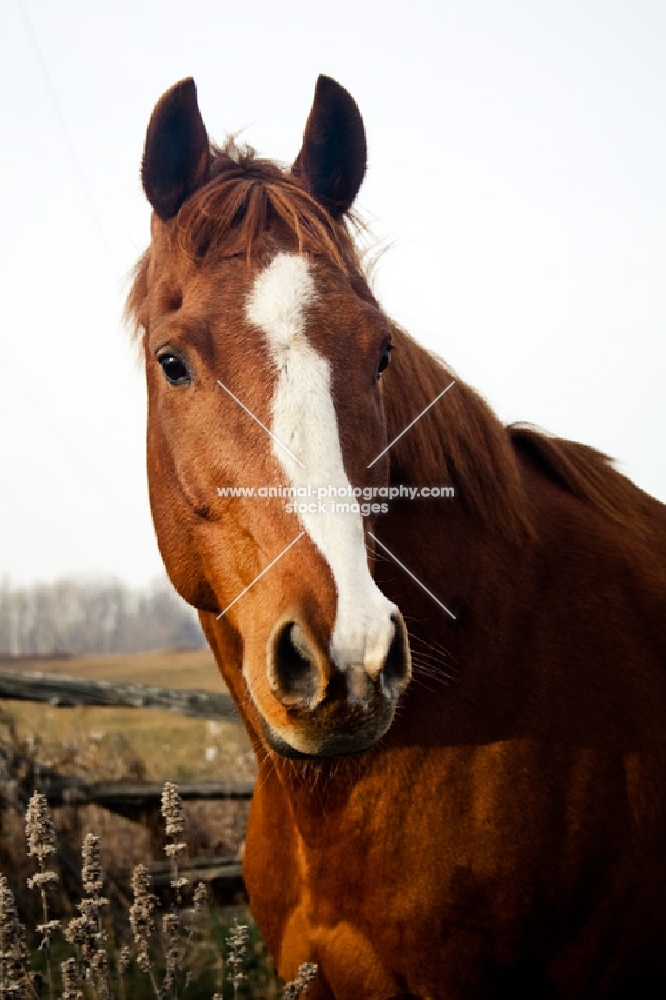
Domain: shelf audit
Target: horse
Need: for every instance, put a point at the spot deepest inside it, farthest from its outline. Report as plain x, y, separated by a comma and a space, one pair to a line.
446, 637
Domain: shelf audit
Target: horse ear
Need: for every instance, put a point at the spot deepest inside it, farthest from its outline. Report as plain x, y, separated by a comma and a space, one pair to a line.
332, 159
176, 155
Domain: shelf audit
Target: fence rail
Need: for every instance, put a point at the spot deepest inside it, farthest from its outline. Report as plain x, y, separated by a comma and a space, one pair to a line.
197, 870
129, 797
67, 692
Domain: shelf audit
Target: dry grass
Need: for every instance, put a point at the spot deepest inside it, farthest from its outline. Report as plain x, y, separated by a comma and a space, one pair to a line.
106, 743
177, 948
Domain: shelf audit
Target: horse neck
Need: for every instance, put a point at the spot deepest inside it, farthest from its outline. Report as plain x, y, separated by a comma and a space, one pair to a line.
470, 549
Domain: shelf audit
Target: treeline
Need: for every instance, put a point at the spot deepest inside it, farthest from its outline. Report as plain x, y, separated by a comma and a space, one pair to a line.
95, 616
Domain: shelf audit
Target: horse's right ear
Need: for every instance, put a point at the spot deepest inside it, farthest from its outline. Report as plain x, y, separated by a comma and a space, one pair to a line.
176, 156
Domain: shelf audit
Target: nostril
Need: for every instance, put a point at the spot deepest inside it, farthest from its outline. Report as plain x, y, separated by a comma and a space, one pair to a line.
292, 672
397, 668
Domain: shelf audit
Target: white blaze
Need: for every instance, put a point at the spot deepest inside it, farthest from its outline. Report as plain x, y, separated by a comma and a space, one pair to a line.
305, 422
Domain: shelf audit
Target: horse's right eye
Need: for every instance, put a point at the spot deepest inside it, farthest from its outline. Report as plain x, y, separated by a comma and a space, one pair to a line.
174, 370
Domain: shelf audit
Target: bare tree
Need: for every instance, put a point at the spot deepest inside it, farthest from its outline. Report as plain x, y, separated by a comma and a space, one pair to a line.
94, 616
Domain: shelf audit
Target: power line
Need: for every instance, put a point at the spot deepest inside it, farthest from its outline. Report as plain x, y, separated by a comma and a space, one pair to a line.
64, 129
89, 201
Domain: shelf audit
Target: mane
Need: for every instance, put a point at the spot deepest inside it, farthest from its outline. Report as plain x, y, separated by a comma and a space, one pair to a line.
462, 443
246, 199
586, 473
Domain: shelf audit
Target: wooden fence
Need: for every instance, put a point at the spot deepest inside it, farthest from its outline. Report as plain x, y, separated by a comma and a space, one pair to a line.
136, 801
67, 692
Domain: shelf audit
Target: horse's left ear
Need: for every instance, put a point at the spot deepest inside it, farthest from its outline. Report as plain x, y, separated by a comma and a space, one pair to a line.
177, 151
332, 159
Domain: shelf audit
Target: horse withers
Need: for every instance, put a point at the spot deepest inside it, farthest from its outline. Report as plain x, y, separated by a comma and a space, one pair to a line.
446, 638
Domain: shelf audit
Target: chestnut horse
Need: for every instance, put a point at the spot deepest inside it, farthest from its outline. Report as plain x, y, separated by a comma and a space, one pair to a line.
457, 703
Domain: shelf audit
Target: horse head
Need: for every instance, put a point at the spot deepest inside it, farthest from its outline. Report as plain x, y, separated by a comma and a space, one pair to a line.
264, 349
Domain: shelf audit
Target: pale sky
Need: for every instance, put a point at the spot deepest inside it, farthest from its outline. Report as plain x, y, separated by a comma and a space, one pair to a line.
517, 167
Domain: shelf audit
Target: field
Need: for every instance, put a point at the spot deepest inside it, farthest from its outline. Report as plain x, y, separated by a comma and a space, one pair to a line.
132, 743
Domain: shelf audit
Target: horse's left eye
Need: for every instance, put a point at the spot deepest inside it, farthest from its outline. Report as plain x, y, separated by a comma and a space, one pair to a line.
174, 370
384, 360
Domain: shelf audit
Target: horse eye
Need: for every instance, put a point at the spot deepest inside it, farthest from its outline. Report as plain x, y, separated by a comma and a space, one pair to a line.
174, 370
384, 360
